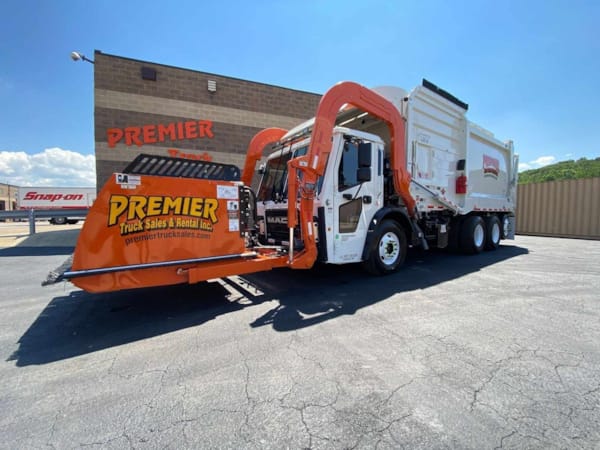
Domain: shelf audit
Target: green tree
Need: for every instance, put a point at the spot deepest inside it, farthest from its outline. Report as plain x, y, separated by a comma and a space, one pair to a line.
564, 170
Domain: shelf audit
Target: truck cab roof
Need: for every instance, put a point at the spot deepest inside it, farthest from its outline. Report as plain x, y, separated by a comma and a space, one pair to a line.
301, 133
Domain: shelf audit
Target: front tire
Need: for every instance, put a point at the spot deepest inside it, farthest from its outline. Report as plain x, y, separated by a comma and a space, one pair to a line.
472, 235
388, 249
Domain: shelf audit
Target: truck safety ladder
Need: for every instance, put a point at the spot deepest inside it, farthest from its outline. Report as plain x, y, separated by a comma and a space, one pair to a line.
167, 166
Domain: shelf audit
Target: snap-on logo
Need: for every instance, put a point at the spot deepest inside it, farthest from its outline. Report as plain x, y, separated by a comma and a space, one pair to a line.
33, 195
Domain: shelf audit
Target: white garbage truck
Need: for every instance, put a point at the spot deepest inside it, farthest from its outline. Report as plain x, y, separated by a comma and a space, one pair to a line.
412, 171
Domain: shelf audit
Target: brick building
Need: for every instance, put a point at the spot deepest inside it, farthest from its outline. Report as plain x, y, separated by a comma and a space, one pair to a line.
8, 197
144, 107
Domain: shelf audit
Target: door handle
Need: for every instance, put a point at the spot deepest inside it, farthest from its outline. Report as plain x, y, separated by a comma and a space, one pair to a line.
347, 196
367, 199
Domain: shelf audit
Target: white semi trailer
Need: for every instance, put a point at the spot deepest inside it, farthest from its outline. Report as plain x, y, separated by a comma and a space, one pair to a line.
60, 198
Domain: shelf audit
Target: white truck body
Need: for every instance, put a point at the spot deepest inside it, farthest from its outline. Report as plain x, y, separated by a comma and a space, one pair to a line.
438, 137
62, 198
444, 150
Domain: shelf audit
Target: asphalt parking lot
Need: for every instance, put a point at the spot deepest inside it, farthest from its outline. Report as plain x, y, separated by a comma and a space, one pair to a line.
500, 350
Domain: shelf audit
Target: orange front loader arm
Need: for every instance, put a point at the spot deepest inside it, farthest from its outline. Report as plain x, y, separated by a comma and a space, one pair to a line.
313, 164
255, 149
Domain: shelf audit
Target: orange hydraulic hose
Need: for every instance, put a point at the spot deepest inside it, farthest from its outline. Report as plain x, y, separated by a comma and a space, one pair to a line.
313, 164
255, 149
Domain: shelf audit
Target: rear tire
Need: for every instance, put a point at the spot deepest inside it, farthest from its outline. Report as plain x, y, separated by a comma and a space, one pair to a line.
58, 220
493, 232
388, 250
472, 235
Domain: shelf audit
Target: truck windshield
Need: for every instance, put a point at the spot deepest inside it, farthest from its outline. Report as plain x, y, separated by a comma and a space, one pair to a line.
274, 182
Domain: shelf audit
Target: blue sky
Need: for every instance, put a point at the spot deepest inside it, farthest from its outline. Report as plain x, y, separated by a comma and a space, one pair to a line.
528, 69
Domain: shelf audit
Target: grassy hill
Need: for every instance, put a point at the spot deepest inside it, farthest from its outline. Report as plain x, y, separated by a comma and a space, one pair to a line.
565, 170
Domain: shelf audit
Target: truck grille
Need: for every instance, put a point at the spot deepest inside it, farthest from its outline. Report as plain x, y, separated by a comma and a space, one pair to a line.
277, 227
278, 232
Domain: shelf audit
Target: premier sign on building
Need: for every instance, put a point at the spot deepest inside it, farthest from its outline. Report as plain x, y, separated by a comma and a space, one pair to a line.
144, 107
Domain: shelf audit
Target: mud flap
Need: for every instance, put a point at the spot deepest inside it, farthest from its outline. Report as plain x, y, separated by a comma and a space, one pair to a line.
510, 233
442, 235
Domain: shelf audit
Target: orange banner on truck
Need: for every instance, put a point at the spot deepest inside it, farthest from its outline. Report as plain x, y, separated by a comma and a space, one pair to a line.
133, 222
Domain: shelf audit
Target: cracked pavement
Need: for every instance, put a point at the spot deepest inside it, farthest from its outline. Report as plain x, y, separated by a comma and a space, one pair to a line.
499, 350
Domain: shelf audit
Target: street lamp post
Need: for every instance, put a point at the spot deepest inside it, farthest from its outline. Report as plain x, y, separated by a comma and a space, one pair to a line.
76, 56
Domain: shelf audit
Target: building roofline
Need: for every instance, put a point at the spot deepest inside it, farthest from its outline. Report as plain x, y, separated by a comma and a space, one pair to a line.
204, 73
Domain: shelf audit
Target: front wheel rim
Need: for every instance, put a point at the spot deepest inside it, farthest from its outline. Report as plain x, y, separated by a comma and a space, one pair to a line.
389, 248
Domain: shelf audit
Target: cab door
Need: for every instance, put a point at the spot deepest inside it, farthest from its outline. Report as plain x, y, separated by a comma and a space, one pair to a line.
358, 194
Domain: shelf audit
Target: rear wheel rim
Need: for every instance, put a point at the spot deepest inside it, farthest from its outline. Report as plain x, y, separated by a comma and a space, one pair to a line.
495, 232
505, 226
389, 248
478, 235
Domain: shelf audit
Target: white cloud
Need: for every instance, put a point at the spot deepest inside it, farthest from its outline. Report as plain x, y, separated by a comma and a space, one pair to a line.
544, 161
537, 163
52, 167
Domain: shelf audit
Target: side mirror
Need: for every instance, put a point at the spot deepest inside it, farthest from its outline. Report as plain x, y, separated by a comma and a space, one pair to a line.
262, 169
